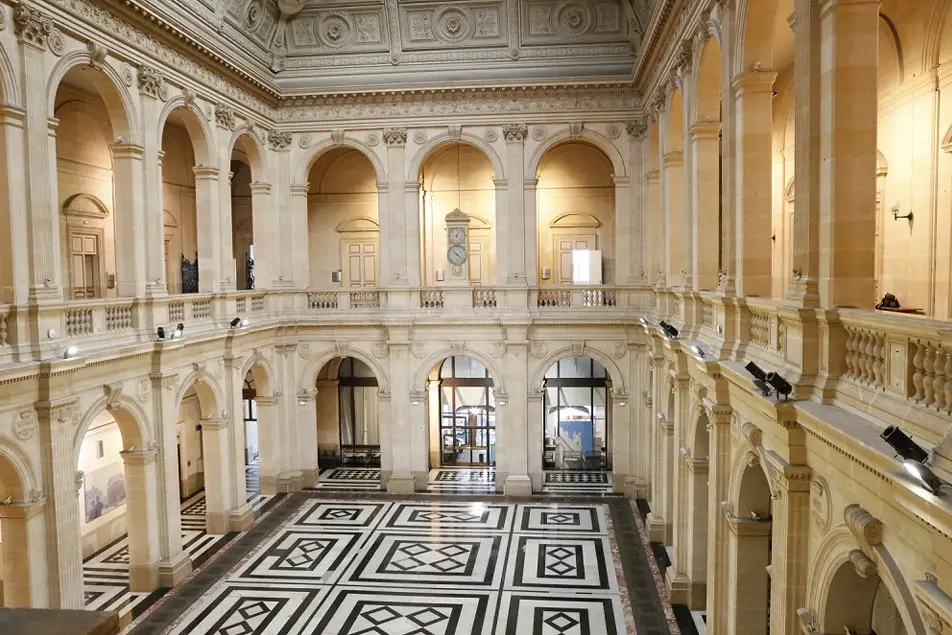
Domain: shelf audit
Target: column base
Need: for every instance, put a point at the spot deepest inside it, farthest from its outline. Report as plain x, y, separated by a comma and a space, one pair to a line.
385, 478
288, 482
517, 485
241, 518
658, 529
501, 478
636, 488
309, 478
175, 569
267, 485
678, 586
401, 485
421, 480
216, 523
619, 483
538, 481
144, 578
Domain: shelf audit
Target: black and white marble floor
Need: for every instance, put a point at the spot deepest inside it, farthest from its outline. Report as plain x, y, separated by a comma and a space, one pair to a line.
419, 567
365, 479
462, 480
106, 573
577, 483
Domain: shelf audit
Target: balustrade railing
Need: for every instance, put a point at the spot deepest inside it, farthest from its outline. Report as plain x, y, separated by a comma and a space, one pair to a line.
431, 298
366, 299
4, 325
322, 300
484, 298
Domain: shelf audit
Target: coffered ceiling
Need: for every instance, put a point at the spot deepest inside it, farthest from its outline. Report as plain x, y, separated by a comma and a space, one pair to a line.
307, 46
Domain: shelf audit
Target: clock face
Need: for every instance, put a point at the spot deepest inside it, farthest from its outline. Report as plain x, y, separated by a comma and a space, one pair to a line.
457, 235
456, 254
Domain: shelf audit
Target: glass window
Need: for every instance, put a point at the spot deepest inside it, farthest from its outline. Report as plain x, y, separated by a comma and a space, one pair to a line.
467, 413
576, 425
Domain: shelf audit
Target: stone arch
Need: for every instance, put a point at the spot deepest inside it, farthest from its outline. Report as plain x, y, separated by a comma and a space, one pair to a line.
260, 369
745, 464
617, 377
592, 137
210, 395
315, 364
935, 25
9, 89
314, 153
825, 582
20, 465
708, 74
195, 123
104, 125
754, 30
132, 419
426, 366
119, 103
437, 142
257, 157
699, 414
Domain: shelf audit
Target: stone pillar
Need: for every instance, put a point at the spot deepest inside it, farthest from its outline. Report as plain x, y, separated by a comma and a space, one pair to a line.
697, 534
290, 477
530, 188
265, 229
639, 439
64, 555
681, 520
216, 452
516, 236
419, 448
637, 272
705, 149
297, 208
502, 239
270, 442
281, 238
753, 103
130, 212
659, 526
403, 213
241, 516
667, 462
155, 271
746, 583
385, 222
515, 412
14, 234
401, 479
625, 241
174, 562
672, 179
305, 423
535, 430
208, 227
718, 479
142, 519
654, 229
24, 563
225, 120
790, 541
32, 28
848, 114
621, 434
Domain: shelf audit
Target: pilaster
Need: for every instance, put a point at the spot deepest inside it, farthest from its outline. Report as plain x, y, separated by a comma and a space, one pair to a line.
23, 573
672, 192
514, 406
401, 479
14, 230
142, 518
130, 204
790, 545
266, 236
208, 224
277, 211
530, 188
635, 213
297, 209
718, 478
705, 150
515, 232
154, 249
241, 516
215, 451
403, 213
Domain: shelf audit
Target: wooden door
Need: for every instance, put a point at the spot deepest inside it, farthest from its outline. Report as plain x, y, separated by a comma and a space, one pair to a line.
564, 246
361, 266
84, 257
479, 260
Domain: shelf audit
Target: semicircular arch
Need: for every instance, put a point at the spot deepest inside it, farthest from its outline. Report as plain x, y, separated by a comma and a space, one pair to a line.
199, 132
439, 141
210, 395
21, 464
315, 364
260, 368
257, 157
128, 414
315, 151
617, 377
592, 137
427, 364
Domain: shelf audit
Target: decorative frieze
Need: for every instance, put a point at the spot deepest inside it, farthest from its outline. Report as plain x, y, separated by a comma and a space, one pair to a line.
279, 140
31, 26
152, 83
395, 136
225, 116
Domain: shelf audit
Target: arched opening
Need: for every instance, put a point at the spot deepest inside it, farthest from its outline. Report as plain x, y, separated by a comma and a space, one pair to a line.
654, 219
94, 242
695, 478
242, 222
577, 416
180, 237
706, 140
342, 221
461, 248
461, 414
18, 543
672, 180
348, 424
859, 602
249, 415
751, 524
576, 216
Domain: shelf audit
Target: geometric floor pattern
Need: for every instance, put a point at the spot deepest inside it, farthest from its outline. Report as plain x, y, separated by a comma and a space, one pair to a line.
422, 567
106, 573
577, 483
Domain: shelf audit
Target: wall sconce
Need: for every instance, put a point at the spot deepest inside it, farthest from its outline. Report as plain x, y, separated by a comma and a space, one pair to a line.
894, 208
622, 402
440, 275
337, 276
546, 273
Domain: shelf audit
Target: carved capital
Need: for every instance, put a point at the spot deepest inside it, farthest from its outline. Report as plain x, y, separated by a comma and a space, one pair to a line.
31, 26
152, 83
395, 136
515, 132
637, 129
752, 434
865, 568
225, 116
279, 141
97, 54
684, 57
867, 529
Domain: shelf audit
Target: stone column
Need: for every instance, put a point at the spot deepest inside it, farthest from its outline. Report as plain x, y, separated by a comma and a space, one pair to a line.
216, 452
404, 213
155, 271
536, 413
208, 226
790, 543
667, 462
753, 103
705, 148
848, 115
401, 479
14, 233
57, 419
419, 448
24, 562
270, 442
678, 581
515, 413
281, 237
718, 478
697, 534
672, 179
621, 434
502, 239
174, 562
530, 188
659, 526
516, 236
142, 519
305, 423
241, 516
688, 97
265, 229
225, 126
639, 439
32, 28
654, 229
297, 208
625, 241
130, 213
290, 478
385, 222
746, 583
638, 268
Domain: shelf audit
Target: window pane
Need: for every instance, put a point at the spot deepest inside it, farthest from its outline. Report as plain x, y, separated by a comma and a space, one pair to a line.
469, 368
575, 367
360, 369
598, 370
553, 371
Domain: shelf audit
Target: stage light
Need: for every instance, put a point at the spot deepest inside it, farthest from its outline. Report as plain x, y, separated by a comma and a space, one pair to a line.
70, 352
236, 323
179, 331
781, 385
903, 444
160, 332
760, 378
644, 321
922, 475
697, 350
669, 330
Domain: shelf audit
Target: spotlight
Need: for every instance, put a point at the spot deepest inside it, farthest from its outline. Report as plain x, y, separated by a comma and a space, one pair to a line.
669, 330
70, 352
644, 321
760, 378
236, 323
923, 475
179, 331
160, 332
903, 444
781, 385
697, 350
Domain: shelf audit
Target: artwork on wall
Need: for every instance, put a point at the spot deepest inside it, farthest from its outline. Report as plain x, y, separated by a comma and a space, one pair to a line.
105, 490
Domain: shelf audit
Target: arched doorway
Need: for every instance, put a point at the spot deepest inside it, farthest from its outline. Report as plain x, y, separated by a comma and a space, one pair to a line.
750, 525
859, 602
462, 414
22, 543
249, 415
577, 416
348, 425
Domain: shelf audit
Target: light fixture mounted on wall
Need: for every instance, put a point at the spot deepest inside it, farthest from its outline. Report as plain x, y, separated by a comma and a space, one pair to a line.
70, 352
337, 276
546, 273
914, 458
239, 323
439, 275
895, 208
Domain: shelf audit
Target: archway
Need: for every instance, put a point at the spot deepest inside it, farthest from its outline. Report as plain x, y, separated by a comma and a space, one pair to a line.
182, 243
342, 221
859, 602
708, 171
576, 225
677, 230
22, 542
458, 176
750, 524
694, 473
461, 413
348, 424
577, 416
252, 235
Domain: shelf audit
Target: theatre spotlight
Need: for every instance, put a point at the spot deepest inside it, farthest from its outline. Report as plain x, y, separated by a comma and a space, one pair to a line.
903, 444
922, 475
70, 352
238, 322
760, 378
644, 321
160, 332
697, 350
669, 330
781, 385
179, 331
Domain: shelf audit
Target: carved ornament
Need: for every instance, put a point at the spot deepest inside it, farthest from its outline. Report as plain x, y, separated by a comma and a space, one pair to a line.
31, 26
279, 140
866, 528
152, 83
225, 116
515, 132
24, 425
395, 136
